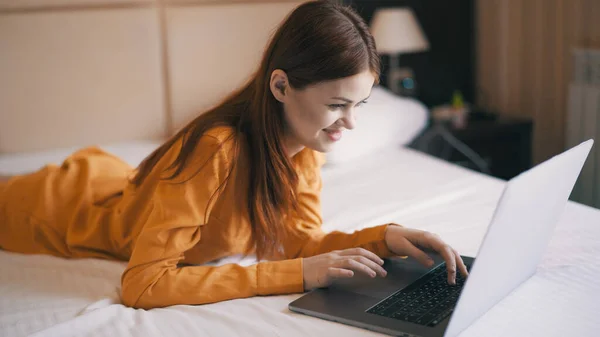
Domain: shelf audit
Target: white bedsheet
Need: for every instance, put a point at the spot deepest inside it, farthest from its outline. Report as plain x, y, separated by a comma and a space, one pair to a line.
47, 296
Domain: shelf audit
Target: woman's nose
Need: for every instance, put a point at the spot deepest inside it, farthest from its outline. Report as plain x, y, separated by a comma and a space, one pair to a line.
349, 120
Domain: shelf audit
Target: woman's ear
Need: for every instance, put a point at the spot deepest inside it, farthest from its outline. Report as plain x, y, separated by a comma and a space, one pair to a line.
279, 84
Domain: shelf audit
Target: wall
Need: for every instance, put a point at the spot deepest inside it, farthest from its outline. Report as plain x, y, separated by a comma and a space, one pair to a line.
85, 72
524, 60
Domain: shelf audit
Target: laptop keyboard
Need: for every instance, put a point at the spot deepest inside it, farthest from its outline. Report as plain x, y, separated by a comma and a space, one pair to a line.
426, 301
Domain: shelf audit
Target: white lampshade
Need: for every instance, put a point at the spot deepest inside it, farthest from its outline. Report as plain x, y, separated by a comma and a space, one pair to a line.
397, 31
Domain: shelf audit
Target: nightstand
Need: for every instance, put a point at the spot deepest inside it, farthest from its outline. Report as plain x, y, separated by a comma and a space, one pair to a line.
499, 147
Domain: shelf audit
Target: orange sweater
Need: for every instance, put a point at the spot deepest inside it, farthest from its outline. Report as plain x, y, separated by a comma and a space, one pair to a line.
76, 210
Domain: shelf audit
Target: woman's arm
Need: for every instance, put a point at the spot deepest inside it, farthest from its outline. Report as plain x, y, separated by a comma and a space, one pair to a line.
314, 242
154, 279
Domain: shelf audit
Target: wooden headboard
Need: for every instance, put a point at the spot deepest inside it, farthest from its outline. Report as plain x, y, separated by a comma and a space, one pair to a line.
85, 72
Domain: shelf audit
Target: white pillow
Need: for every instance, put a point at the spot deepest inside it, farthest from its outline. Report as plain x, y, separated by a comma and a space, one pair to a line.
386, 120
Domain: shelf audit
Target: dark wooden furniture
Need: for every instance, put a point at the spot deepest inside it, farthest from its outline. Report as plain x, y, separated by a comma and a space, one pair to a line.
504, 144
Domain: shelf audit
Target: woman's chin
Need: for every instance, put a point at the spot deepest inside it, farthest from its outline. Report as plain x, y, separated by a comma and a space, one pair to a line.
322, 147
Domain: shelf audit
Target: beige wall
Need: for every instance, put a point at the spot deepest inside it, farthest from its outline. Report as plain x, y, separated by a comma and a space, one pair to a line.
92, 76
85, 72
524, 60
215, 64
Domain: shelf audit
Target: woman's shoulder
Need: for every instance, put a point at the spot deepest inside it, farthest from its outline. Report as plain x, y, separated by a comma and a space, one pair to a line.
213, 146
216, 139
222, 134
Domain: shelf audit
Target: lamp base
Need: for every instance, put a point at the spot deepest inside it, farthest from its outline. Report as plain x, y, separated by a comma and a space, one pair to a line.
402, 82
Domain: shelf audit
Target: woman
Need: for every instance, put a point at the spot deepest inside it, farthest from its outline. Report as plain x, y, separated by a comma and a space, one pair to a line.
241, 178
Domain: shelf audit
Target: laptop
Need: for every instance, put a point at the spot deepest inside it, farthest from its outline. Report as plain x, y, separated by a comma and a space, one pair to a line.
414, 300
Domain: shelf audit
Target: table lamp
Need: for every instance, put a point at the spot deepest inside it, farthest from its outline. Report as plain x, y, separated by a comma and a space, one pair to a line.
397, 31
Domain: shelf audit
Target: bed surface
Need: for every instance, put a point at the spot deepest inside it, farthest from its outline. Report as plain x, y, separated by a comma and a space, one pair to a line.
48, 296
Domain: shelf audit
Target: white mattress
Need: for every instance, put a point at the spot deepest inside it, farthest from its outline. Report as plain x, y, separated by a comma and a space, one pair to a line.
47, 296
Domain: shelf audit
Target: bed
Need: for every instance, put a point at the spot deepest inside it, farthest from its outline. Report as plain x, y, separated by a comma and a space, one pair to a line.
50, 111
49, 296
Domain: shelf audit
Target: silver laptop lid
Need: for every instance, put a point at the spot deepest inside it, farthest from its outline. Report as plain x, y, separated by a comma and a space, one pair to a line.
518, 234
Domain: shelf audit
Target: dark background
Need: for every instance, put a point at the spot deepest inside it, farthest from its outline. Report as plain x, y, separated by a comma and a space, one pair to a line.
449, 64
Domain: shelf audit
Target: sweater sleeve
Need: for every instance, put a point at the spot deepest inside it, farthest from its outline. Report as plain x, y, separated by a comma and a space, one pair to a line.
305, 236
154, 279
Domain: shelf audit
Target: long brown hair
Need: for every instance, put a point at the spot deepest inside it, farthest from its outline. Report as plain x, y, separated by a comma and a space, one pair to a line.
318, 41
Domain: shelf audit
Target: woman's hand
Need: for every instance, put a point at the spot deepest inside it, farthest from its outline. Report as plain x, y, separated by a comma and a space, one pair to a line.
320, 270
406, 241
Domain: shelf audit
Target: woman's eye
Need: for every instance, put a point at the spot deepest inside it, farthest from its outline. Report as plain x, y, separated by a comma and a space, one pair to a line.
336, 106
361, 103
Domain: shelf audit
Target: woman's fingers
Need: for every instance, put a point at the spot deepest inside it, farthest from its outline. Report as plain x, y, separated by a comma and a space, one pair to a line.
446, 251
369, 263
363, 252
339, 273
350, 261
461, 264
432, 241
419, 255
451, 256
321, 270
450, 259
352, 264
367, 258
347, 265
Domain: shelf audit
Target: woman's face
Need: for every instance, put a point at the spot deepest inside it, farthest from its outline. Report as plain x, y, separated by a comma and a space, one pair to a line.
317, 116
